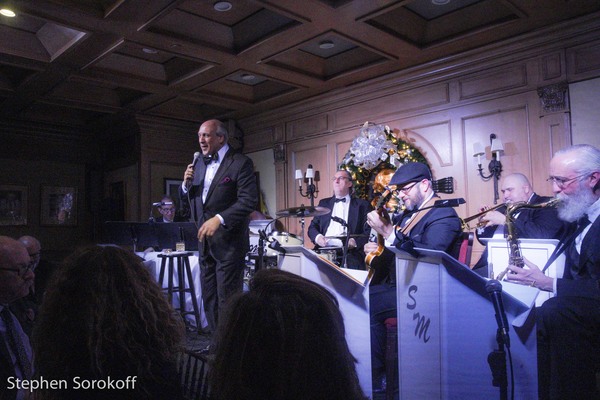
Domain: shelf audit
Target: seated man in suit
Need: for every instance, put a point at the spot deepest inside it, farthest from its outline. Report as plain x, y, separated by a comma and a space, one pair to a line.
433, 228
568, 324
534, 223
16, 278
348, 215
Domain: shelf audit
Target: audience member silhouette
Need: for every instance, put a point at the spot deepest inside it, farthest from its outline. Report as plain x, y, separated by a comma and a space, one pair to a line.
16, 277
283, 340
104, 318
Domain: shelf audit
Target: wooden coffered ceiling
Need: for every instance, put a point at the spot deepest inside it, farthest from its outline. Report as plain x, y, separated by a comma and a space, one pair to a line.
73, 62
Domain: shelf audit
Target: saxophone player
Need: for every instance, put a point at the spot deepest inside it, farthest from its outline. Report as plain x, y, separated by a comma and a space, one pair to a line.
568, 324
534, 223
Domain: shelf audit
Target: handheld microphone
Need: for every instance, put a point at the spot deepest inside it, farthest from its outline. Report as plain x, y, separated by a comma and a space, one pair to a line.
494, 290
196, 157
339, 221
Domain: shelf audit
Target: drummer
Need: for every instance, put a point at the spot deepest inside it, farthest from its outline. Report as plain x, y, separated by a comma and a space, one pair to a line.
348, 215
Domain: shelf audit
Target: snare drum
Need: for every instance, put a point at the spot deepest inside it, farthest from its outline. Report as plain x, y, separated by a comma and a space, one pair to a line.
286, 239
330, 254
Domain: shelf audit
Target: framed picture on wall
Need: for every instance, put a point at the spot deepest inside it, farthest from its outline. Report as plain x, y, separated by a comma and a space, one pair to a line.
172, 188
59, 206
13, 205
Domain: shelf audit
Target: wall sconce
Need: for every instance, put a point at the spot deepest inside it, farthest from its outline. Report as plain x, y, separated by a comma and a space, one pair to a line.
495, 166
312, 183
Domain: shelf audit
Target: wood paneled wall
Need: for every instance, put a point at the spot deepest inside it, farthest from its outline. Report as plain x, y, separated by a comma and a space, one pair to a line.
445, 107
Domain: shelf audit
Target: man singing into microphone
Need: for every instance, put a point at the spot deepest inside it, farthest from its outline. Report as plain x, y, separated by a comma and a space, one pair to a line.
348, 215
436, 228
222, 193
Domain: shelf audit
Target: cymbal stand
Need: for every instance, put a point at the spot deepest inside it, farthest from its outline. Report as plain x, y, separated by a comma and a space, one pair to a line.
345, 249
302, 222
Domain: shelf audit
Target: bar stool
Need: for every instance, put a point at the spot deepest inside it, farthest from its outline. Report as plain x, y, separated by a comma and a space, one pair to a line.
183, 264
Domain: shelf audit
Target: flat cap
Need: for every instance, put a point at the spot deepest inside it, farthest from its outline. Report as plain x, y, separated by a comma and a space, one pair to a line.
410, 172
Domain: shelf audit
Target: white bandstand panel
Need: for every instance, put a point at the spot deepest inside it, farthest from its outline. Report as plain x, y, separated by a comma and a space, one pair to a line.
537, 251
447, 328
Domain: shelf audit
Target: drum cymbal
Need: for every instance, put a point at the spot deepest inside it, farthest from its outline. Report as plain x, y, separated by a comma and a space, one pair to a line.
302, 211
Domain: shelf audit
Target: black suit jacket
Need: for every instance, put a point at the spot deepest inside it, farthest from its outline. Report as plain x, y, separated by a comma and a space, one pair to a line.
583, 279
357, 218
439, 229
6, 371
233, 194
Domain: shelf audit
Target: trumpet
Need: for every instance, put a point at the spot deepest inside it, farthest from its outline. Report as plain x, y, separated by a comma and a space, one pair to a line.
465, 222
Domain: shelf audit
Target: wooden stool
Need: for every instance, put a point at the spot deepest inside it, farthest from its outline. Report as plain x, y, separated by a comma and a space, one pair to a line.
183, 263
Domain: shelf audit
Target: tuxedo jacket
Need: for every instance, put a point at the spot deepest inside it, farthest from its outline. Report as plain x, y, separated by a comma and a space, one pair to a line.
582, 277
233, 194
439, 229
533, 223
357, 218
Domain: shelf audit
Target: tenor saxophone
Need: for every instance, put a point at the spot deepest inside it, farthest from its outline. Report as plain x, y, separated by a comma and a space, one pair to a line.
515, 256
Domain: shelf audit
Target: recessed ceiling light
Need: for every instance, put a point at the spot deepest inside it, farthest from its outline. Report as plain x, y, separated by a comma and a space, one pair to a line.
149, 51
440, 2
7, 13
222, 6
247, 77
326, 44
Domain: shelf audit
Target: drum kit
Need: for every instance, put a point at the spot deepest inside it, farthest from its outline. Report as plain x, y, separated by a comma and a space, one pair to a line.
278, 241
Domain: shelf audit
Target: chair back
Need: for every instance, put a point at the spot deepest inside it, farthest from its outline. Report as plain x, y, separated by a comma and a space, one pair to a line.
466, 248
193, 371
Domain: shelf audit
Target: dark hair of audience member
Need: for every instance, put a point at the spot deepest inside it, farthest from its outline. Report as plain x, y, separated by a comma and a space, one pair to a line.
103, 315
284, 340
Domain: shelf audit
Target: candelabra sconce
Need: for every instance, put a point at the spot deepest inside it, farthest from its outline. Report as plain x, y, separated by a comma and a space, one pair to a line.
312, 183
495, 166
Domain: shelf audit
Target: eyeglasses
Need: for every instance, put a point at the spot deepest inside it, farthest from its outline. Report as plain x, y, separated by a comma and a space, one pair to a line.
406, 189
167, 210
21, 270
337, 178
564, 182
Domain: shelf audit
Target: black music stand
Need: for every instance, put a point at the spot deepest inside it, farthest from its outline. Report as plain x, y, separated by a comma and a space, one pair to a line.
123, 233
169, 233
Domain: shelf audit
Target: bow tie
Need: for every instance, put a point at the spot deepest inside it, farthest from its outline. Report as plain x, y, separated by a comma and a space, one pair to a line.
210, 158
343, 200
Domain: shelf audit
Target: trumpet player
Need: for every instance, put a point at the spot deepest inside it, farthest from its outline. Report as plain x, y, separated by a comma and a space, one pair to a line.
568, 324
538, 223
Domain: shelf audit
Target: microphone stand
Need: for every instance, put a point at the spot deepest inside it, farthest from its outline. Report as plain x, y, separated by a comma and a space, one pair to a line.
262, 236
134, 238
261, 251
497, 361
